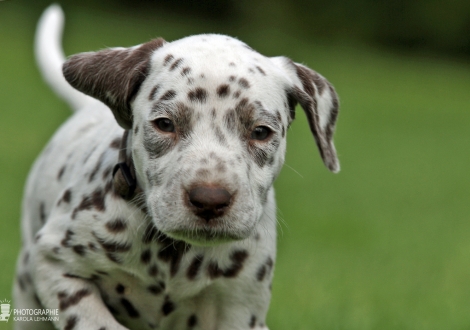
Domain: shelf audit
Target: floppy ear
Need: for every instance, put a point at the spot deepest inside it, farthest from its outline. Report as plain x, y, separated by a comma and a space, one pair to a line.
320, 103
112, 76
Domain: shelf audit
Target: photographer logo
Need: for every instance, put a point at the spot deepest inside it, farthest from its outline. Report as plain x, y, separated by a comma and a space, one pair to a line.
5, 310
27, 314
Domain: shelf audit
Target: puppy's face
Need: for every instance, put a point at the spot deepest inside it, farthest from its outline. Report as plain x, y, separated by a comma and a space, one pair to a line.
212, 116
208, 117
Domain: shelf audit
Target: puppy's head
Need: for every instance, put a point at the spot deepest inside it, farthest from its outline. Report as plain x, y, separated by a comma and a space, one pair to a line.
208, 119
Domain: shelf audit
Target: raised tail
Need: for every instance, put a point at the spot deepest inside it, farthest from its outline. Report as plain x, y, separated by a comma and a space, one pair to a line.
50, 56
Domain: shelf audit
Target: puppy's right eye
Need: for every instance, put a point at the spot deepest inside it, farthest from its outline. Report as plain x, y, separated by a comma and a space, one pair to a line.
164, 125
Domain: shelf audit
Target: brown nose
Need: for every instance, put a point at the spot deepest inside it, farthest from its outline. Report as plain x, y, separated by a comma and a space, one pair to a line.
209, 202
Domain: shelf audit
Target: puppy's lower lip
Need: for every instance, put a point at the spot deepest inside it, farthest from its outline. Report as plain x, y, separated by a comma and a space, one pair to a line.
204, 233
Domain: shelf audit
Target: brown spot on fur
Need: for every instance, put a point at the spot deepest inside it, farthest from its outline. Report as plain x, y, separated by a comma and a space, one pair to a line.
186, 71
220, 167
238, 258
130, 309
240, 120
231, 78
176, 64
25, 258
213, 270
65, 300
223, 90
244, 83
116, 143
116, 226
261, 273
183, 117
106, 174
21, 283
68, 275
169, 95
193, 269
153, 92
96, 168
110, 246
264, 269
156, 289
270, 263
42, 212
79, 249
95, 200
61, 172
120, 288
252, 321
198, 95
192, 321
173, 253
71, 322
113, 257
168, 59
153, 270
261, 71
27, 278
67, 239
146, 256
168, 306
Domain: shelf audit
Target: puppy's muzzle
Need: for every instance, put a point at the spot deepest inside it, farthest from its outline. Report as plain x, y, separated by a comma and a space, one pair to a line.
208, 202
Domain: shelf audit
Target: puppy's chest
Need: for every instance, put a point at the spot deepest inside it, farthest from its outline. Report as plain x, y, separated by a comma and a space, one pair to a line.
142, 295
158, 280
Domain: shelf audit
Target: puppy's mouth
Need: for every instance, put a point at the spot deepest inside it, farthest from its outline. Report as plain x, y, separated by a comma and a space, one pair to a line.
205, 236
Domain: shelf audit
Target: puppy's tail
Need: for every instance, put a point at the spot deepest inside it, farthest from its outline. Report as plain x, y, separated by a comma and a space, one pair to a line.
50, 56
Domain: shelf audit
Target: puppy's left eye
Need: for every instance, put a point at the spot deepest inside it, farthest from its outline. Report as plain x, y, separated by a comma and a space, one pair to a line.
261, 133
164, 125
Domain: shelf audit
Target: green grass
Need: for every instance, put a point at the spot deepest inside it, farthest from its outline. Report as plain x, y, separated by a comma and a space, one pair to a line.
385, 244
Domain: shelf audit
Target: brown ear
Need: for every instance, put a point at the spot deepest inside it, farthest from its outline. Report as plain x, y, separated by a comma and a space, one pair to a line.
320, 103
112, 76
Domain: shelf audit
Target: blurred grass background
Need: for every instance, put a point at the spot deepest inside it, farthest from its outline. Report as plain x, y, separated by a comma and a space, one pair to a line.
385, 244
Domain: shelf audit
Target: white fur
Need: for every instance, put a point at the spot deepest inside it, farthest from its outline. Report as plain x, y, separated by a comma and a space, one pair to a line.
68, 209
50, 57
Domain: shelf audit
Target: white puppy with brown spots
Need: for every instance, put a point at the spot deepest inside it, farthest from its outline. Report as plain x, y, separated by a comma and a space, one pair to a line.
153, 206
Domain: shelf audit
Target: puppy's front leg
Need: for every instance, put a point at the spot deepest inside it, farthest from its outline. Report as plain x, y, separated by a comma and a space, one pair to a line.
77, 298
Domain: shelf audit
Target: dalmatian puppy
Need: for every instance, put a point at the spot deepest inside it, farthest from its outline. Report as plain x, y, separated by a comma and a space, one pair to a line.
153, 206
